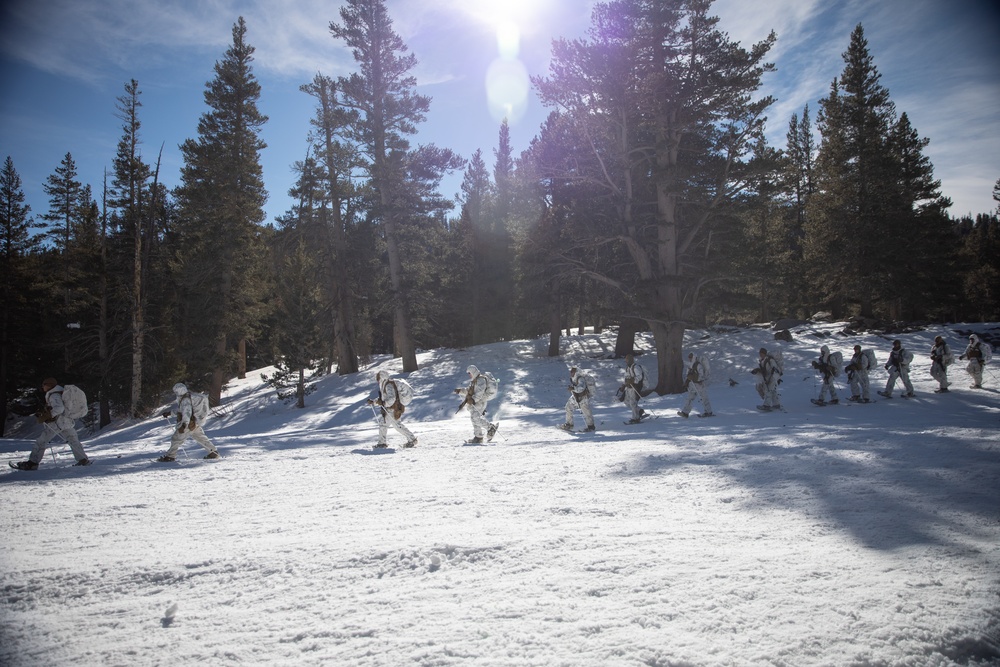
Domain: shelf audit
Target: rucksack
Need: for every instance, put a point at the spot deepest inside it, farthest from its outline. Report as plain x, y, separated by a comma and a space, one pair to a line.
492, 385
836, 361
987, 351
199, 406
702, 363
74, 401
779, 362
872, 361
404, 392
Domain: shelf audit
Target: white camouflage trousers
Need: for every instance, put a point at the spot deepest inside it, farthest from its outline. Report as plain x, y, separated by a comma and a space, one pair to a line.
196, 433
388, 420
480, 424
584, 406
63, 426
631, 400
902, 373
859, 384
697, 390
940, 373
768, 390
975, 369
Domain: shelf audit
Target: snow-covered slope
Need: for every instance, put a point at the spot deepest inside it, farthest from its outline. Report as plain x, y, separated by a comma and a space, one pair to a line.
844, 535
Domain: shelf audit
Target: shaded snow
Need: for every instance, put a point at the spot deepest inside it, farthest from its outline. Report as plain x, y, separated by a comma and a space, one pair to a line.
846, 535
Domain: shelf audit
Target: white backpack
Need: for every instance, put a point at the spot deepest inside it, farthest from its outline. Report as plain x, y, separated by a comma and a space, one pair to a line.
872, 360
404, 392
836, 361
199, 407
492, 386
74, 401
779, 361
987, 350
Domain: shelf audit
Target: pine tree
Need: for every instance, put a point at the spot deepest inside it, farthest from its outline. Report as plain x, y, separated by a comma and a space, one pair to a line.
383, 95
131, 175
219, 260
666, 102
16, 328
336, 161
875, 223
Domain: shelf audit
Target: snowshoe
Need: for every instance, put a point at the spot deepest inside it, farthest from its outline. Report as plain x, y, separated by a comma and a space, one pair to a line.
213, 455
764, 408
817, 401
855, 399
166, 459
681, 413
882, 393
834, 401
590, 428
908, 394
83, 462
381, 445
23, 465
475, 441
566, 427
942, 390
411, 443
707, 414
492, 431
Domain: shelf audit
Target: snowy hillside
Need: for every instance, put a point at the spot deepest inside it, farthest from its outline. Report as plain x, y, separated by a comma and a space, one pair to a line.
863, 535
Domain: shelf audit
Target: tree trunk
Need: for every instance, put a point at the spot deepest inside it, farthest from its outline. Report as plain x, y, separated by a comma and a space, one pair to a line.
555, 325
669, 338
242, 359
625, 341
401, 318
218, 374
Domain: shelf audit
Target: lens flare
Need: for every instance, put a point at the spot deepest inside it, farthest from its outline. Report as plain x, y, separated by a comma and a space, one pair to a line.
508, 40
507, 86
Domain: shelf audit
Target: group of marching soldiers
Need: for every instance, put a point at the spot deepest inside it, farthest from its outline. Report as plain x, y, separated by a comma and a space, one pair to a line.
978, 353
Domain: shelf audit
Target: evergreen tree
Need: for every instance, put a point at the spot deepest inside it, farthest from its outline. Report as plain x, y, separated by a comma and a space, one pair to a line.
219, 260
665, 100
17, 326
875, 223
475, 198
66, 206
131, 175
336, 162
383, 95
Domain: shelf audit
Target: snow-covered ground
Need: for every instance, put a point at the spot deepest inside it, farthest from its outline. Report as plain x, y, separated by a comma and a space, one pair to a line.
863, 535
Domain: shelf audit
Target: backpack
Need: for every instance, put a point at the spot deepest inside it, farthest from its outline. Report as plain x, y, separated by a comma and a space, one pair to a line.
779, 362
906, 358
987, 351
872, 361
199, 407
75, 401
702, 363
404, 392
492, 385
836, 361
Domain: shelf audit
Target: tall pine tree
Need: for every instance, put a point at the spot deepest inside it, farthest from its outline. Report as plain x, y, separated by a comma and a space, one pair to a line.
220, 255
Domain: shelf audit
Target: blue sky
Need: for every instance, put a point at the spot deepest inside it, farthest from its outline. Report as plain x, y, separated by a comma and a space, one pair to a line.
64, 62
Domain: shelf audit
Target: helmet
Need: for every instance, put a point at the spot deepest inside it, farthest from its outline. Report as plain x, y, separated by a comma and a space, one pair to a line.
381, 375
180, 389
825, 349
973, 339
49, 382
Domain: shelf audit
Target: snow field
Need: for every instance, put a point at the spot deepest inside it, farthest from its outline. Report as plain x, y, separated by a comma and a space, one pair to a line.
845, 535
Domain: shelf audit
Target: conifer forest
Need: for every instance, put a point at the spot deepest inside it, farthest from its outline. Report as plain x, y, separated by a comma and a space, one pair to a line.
648, 200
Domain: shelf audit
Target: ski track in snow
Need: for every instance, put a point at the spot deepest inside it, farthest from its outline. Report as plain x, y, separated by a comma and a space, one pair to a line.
843, 535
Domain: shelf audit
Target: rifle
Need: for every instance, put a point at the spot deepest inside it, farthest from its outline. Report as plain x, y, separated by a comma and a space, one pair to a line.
468, 396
